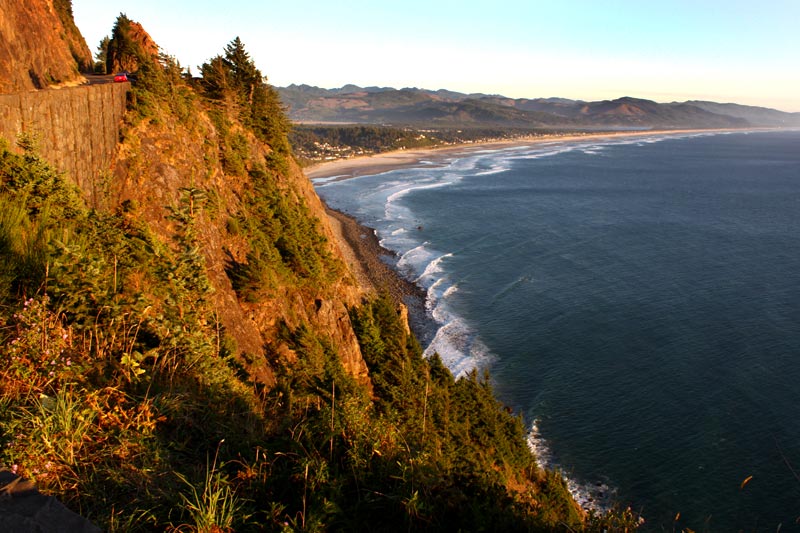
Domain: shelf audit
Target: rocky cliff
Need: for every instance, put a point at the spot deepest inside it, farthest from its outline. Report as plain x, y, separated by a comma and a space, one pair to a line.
175, 141
77, 130
37, 47
129, 42
158, 161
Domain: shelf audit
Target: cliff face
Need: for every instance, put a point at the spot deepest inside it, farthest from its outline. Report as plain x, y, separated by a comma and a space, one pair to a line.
199, 307
78, 131
178, 141
157, 161
36, 48
73, 37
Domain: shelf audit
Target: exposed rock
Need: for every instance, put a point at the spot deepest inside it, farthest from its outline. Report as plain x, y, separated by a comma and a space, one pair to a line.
36, 49
72, 35
78, 132
156, 161
404, 318
129, 42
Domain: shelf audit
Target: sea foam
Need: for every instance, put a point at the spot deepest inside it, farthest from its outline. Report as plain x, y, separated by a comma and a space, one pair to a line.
597, 496
319, 182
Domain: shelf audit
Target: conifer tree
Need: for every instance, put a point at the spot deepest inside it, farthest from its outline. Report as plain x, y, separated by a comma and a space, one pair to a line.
217, 82
101, 56
245, 74
235, 78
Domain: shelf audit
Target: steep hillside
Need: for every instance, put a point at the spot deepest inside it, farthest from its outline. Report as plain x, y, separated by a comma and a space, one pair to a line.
72, 35
186, 350
39, 45
129, 42
211, 150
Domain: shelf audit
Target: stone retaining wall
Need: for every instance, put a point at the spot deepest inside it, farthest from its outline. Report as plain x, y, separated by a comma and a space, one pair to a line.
77, 127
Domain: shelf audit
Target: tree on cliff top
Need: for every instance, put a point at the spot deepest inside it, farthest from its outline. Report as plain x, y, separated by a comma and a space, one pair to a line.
130, 46
234, 78
101, 56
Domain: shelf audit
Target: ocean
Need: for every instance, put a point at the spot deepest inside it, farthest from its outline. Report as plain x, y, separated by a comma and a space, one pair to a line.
636, 299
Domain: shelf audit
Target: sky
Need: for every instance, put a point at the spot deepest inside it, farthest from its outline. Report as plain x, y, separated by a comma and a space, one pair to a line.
738, 51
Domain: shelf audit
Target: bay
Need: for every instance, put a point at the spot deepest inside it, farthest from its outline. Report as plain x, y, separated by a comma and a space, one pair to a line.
637, 300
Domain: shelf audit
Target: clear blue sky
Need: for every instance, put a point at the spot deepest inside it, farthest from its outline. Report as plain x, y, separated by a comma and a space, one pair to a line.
665, 50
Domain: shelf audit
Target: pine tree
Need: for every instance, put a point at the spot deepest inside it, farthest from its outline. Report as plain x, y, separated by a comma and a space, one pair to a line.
217, 80
101, 56
245, 74
234, 77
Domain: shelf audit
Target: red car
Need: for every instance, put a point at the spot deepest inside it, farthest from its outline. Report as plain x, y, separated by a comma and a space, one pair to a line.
120, 77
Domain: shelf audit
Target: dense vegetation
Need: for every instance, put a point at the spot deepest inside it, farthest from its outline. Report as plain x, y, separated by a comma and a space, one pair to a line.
123, 395
234, 78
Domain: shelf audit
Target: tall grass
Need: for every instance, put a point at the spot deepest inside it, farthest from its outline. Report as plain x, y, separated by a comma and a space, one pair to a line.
63, 425
213, 507
23, 247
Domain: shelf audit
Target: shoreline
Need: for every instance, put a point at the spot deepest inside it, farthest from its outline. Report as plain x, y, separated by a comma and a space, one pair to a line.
369, 263
589, 495
368, 165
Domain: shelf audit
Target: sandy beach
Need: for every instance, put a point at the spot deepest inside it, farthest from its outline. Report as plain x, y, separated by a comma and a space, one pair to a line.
386, 161
367, 260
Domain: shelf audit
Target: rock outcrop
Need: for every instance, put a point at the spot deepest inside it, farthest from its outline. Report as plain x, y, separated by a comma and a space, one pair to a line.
156, 161
129, 42
162, 155
78, 130
36, 48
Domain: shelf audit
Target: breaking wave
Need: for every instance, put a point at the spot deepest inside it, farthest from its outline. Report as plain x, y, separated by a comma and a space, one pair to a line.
597, 496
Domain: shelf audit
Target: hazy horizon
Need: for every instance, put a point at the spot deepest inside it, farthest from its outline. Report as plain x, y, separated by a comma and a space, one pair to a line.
730, 51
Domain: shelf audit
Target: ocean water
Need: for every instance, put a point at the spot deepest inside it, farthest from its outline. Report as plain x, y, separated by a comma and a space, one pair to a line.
637, 300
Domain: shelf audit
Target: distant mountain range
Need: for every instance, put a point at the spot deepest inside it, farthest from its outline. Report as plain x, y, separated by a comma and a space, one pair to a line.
442, 108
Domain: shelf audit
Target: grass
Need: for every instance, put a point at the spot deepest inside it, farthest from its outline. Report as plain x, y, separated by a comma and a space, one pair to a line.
63, 425
214, 507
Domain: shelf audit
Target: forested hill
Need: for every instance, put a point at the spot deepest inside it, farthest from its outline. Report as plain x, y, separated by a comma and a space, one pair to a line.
185, 349
448, 109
